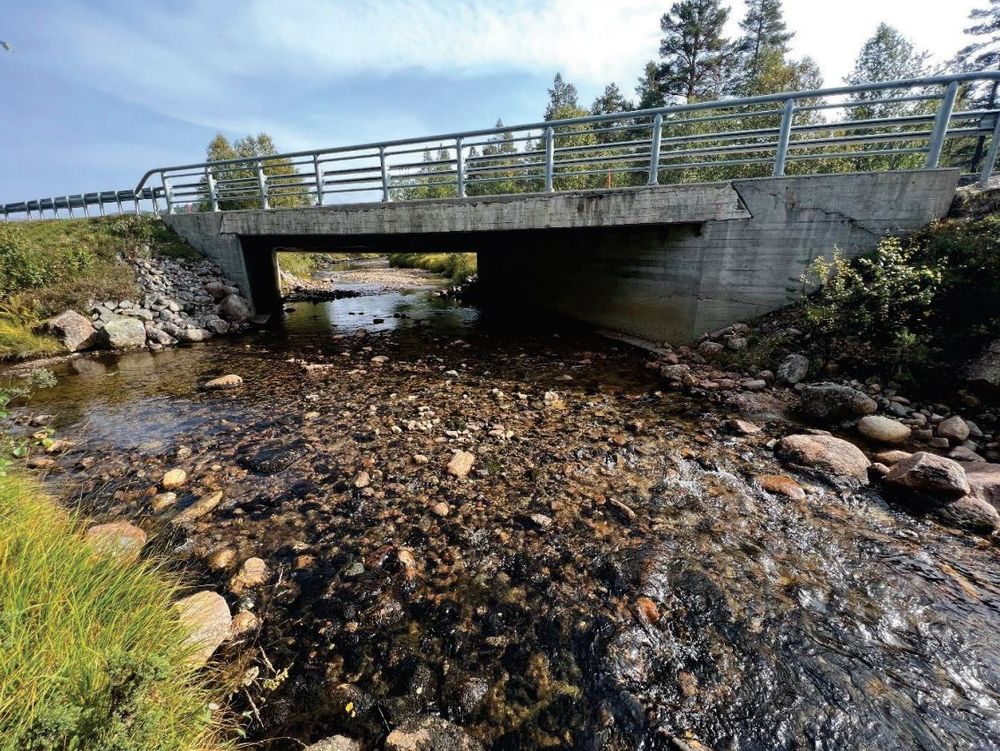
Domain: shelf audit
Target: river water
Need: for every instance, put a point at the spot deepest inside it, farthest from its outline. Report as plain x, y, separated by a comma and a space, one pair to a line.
608, 576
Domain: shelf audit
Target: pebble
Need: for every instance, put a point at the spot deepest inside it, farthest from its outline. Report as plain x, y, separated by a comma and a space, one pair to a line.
461, 463
781, 485
199, 508
222, 559
252, 574
174, 479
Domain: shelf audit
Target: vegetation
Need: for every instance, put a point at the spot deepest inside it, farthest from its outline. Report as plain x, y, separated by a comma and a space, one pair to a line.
456, 266
284, 186
49, 266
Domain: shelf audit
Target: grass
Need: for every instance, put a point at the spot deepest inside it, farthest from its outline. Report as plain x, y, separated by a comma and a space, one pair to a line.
47, 267
91, 653
305, 265
456, 266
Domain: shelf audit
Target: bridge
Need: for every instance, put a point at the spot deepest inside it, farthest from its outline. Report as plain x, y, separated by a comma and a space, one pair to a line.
661, 223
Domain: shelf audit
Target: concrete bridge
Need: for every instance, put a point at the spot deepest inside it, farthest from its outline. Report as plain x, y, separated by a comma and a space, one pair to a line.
662, 261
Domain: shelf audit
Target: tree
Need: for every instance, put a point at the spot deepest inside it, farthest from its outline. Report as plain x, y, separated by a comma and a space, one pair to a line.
611, 101
435, 178
494, 171
887, 56
982, 54
236, 184
649, 90
764, 34
694, 50
562, 97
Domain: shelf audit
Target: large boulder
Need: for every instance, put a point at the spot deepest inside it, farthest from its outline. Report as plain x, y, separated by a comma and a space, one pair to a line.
831, 402
984, 481
429, 733
206, 618
235, 308
827, 453
793, 369
116, 538
123, 333
929, 475
74, 331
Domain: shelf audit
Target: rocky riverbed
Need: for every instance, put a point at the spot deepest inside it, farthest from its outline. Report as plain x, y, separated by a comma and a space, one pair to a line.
437, 528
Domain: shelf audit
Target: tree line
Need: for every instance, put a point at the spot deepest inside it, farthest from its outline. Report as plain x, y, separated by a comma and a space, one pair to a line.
697, 62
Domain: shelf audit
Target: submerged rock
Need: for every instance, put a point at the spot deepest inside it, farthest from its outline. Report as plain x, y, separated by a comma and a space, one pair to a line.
230, 381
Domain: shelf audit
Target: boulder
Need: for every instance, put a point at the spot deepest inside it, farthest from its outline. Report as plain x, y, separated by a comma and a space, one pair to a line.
192, 335
793, 369
955, 429
883, 429
827, 453
929, 475
430, 733
970, 513
983, 373
123, 333
205, 616
984, 481
74, 331
117, 538
235, 308
831, 402
892, 457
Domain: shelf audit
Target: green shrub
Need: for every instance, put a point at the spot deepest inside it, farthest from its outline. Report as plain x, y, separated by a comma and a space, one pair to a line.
19, 267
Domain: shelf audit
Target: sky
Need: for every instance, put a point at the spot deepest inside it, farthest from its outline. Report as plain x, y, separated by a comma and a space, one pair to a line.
98, 91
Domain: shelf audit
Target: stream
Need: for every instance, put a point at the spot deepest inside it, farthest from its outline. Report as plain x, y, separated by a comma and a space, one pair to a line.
608, 575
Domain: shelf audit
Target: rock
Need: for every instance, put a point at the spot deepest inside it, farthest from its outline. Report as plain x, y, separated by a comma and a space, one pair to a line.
883, 429
742, 427
793, 369
230, 381
74, 331
970, 513
58, 446
831, 402
199, 508
221, 559
217, 326
708, 348
984, 480
648, 609
117, 538
41, 462
461, 463
335, 743
983, 373
40, 420
891, 457
781, 485
192, 335
826, 453
954, 429
161, 501
216, 289
205, 616
122, 333
252, 574
174, 479
737, 343
963, 454
441, 509
925, 473
362, 480
541, 521
379, 360
235, 308
430, 733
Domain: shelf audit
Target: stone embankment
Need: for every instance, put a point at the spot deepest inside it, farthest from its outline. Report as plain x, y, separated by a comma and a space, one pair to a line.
181, 302
927, 457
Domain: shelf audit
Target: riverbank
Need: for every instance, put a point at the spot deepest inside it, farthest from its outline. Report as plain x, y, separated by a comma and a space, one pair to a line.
458, 267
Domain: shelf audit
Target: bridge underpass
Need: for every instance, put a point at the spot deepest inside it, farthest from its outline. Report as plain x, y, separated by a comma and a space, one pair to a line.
664, 263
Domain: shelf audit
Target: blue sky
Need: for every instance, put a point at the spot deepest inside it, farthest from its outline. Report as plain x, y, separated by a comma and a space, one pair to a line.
97, 92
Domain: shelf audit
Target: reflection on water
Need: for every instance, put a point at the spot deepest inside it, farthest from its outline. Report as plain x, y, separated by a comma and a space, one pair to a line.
377, 313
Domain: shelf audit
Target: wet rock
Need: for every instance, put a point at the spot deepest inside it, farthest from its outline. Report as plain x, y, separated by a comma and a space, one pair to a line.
984, 481
74, 331
252, 574
826, 453
116, 538
173, 479
199, 508
930, 474
883, 429
274, 458
205, 616
429, 733
954, 429
222, 559
235, 308
831, 402
648, 609
781, 485
335, 743
58, 446
742, 427
461, 463
970, 513
244, 623
122, 333
792, 369
230, 381
161, 501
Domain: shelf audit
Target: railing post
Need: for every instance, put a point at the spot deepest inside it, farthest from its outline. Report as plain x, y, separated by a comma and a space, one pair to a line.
262, 185
991, 155
784, 134
385, 174
213, 196
550, 158
318, 171
168, 195
654, 150
941, 125
460, 167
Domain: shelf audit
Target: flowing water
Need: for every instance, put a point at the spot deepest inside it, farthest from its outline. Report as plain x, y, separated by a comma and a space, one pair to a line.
609, 575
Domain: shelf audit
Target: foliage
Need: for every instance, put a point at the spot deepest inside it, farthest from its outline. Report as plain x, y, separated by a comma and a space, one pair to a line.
765, 36
456, 266
694, 50
283, 188
562, 96
92, 655
648, 87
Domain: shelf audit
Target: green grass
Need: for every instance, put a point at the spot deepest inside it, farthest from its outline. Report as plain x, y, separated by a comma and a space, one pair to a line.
47, 267
91, 653
456, 266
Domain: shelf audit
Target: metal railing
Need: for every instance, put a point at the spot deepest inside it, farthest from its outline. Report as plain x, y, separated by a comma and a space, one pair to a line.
915, 123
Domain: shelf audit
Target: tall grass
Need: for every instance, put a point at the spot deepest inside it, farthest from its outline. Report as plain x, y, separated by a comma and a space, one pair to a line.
456, 266
91, 652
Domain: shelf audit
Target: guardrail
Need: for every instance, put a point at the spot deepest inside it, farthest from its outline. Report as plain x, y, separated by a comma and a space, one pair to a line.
881, 126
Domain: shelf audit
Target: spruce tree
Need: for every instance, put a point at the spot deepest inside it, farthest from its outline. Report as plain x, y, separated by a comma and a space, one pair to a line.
764, 33
982, 54
562, 98
649, 90
695, 53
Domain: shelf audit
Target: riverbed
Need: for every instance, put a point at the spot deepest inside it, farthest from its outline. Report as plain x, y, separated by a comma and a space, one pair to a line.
608, 574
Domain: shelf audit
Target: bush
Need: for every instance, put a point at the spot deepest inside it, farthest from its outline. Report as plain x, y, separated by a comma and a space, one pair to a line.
19, 267
456, 266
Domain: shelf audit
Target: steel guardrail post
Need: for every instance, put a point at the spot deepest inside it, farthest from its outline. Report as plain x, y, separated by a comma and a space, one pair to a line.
991, 156
550, 158
656, 134
213, 196
262, 186
784, 135
318, 172
941, 126
460, 167
385, 174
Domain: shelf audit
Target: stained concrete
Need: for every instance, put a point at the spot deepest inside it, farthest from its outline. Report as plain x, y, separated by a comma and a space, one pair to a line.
662, 263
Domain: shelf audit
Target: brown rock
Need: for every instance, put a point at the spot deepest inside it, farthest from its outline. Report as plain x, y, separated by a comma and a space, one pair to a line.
970, 513
174, 479
243, 623
230, 381
430, 733
441, 509
117, 538
984, 480
742, 427
205, 616
781, 485
161, 501
221, 559
362, 480
955, 429
929, 474
199, 508
335, 743
74, 331
826, 453
892, 457
252, 574
461, 463
648, 609
883, 429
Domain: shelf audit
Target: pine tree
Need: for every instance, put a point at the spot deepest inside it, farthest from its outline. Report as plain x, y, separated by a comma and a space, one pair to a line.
764, 33
648, 90
609, 102
982, 54
694, 50
562, 98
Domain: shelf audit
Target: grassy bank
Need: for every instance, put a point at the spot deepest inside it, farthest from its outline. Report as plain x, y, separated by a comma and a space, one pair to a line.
49, 266
306, 265
92, 654
455, 266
